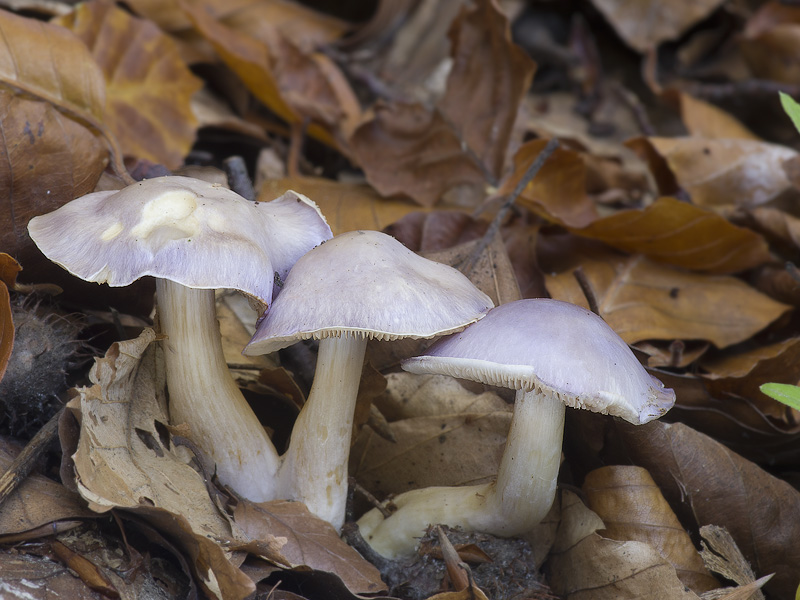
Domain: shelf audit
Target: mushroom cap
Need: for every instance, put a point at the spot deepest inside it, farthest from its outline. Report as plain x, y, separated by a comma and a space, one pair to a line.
195, 233
366, 283
554, 347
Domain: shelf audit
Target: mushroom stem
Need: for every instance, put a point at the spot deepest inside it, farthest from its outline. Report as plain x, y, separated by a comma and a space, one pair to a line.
516, 502
314, 469
202, 393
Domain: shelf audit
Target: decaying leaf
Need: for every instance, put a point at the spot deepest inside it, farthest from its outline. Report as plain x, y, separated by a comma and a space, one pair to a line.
703, 119
769, 42
720, 173
34, 578
148, 87
681, 234
585, 565
643, 300
346, 206
309, 542
449, 449
39, 507
488, 79
8, 275
632, 508
125, 459
558, 192
293, 82
644, 24
710, 485
407, 150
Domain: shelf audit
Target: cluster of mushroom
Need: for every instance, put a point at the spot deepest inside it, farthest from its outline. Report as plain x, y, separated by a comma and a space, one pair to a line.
194, 237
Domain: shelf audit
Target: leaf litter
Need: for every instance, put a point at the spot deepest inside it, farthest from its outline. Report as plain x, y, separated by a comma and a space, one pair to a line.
677, 210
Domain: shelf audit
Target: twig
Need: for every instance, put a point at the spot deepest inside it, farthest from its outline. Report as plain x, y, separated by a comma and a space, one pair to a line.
23, 464
587, 289
494, 227
298, 132
238, 178
676, 348
352, 536
372, 499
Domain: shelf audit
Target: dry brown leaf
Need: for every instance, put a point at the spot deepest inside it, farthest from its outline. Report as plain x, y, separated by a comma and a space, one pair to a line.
558, 192
707, 483
407, 150
125, 460
703, 119
52, 160
632, 508
726, 172
409, 395
683, 235
584, 565
742, 373
489, 77
721, 555
39, 506
38, 578
430, 231
346, 206
455, 449
644, 24
8, 277
641, 300
310, 542
770, 40
293, 82
148, 86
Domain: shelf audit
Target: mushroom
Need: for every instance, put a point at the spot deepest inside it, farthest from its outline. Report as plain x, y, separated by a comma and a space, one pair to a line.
357, 286
554, 354
193, 236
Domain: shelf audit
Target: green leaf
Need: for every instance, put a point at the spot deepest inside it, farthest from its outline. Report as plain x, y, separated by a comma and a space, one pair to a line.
792, 109
784, 393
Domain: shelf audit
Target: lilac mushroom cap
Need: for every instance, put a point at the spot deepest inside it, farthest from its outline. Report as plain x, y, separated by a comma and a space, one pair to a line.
194, 237
189, 231
357, 286
555, 346
554, 354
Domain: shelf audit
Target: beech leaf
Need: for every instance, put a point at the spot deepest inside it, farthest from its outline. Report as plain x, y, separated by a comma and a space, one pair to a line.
683, 235
632, 508
149, 88
641, 299
715, 486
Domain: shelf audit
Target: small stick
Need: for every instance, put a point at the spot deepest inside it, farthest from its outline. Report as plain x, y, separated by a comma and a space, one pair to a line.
371, 499
587, 289
298, 131
238, 178
494, 227
676, 349
23, 464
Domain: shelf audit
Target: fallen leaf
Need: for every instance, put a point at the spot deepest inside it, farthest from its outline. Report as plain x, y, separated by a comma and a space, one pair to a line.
148, 86
681, 234
742, 373
126, 460
294, 83
703, 119
436, 230
645, 24
726, 172
454, 449
346, 206
48, 159
37, 578
769, 42
409, 395
8, 276
558, 192
722, 556
39, 506
642, 300
310, 542
408, 150
583, 564
632, 508
708, 484
489, 77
